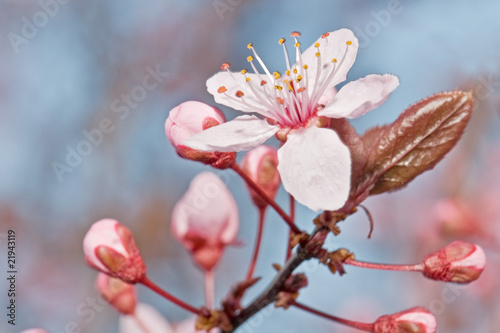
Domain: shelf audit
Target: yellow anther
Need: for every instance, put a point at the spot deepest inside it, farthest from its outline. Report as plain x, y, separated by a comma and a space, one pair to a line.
249, 58
250, 46
305, 67
297, 44
287, 72
247, 79
295, 71
244, 71
299, 78
290, 88
318, 54
334, 60
276, 75
278, 87
281, 41
316, 45
349, 42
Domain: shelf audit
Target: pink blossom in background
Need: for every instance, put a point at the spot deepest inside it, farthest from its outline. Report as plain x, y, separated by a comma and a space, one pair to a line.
205, 220
121, 295
313, 162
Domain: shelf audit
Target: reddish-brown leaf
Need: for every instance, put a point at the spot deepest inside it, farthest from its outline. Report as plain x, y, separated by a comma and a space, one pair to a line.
421, 136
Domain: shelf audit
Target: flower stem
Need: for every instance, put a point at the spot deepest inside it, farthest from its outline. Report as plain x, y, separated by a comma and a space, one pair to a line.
266, 198
148, 283
209, 288
292, 216
407, 268
354, 324
251, 268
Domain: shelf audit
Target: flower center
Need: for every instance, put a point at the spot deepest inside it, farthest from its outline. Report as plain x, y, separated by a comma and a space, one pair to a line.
291, 98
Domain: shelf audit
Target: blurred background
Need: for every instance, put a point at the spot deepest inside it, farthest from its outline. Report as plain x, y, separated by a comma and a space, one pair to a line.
67, 66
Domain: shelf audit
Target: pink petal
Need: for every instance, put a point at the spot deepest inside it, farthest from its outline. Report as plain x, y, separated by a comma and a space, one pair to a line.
333, 46
234, 82
315, 167
241, 133
358, 97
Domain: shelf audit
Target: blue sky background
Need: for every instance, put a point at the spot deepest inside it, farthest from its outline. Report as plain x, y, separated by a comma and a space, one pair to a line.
65, 78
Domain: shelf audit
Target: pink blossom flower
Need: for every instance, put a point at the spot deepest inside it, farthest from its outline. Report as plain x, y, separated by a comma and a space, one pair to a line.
205, 219
119, 294
110, 248
35, 330
415, 320
296, 106
146, 319
190, 118
459, 262
260, 164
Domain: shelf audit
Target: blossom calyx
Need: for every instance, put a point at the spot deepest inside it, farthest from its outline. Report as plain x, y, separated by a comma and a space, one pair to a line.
414, 320
188, 119
459, 262
261, 164
110, 248
205, 220
121, 295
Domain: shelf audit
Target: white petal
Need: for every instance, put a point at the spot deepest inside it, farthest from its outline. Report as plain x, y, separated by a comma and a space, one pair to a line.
241, 133
149, 317
358, 97
235, 82
333, 46
315, 167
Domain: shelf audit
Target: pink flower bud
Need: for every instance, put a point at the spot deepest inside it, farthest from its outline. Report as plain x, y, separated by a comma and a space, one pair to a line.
205, 219
459, 262
35, 330
146, 319
191, 118
121, 295
110, 248
415, 320
260, 164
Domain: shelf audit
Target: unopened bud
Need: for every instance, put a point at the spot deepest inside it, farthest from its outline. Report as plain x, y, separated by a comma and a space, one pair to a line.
110, 248
261, 164
121, 295
459, 262
205, 219
188, 119
415, 320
